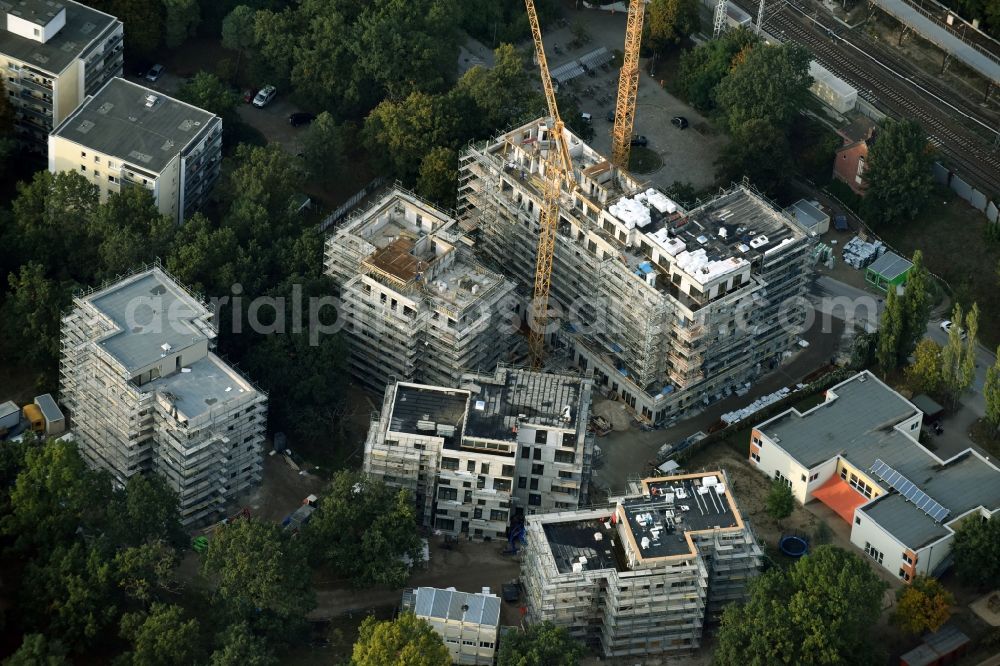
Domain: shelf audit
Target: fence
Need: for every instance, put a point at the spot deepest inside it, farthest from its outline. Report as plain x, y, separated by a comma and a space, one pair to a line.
977, 199
345, 207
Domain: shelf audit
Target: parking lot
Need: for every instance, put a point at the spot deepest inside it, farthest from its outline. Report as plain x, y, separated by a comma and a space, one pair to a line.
688, 155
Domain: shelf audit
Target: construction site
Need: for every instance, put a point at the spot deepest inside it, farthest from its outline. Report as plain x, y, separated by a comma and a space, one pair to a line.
147, 394
642, 576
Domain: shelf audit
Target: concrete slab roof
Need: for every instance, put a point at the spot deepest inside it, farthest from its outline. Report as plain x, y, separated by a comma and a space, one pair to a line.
429, 411
205, 385
83, 26
499, 404
136, 124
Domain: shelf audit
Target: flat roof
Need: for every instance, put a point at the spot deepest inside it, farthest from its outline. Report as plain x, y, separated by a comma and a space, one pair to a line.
807, 214
50, 410
586, 544
8, 408
150, 310
474, 608
890, 266
498, 404
429, 411
83, 26
120, 120
205, 385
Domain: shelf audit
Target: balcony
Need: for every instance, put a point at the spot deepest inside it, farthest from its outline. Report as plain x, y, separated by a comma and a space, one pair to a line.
36, 84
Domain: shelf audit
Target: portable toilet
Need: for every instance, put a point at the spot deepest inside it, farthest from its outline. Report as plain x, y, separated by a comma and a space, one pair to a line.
55, 420
34, 417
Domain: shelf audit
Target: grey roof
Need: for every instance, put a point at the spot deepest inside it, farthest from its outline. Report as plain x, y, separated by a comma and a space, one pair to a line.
807, 214
935, 647
574, 539
83, 26
890, 266
427, 410
926, 404
8, 408
118, 121
458, 606
909, 525
207, 384
50, 410
150, 310
515, 397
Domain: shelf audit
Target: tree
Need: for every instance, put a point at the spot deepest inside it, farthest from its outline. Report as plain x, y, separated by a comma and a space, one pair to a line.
203, 255
323, 148
780, 500
260, 573
820, 611
759, 151
974, 549
240, 647
405, 641
438, 176
771, 84
145, 573
161, 636
924, 374
897, 172
266, 177
705, 66
540, 645
207, 91
503, 93
31, 316
38, 650
991, 393
958, 357
238, 32
365, 531
670, 21
916, 307
923, 605
890, 329
864, 349
402, 133
144, 21
128, 231
181, 21
145, 512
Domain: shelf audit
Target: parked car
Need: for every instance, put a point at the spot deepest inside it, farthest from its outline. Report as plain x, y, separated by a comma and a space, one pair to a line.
301, 118
586, 117
680, 122
946, 327
264, 97
611, 115
154, 73
249, 94
639, 140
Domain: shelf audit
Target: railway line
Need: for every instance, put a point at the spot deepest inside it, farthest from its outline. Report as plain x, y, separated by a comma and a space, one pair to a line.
903, 93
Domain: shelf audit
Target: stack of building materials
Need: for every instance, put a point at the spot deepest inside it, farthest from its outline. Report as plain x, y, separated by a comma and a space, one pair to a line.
755, 406
860, 254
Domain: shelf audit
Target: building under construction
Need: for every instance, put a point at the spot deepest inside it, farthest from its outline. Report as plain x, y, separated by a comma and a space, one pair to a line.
643, 576
417, 305
476, 455
146, 394
670, 308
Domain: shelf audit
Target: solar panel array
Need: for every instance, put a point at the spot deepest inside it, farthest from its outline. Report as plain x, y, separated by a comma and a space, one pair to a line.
909, 490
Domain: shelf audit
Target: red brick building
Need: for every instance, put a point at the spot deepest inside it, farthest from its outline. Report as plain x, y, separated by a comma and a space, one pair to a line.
849, 163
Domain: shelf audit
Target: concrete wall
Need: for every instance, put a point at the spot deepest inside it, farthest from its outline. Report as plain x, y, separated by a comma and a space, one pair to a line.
867, 531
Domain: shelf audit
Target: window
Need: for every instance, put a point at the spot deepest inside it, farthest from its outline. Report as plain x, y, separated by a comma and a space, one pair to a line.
857, 520
97, 159
448, 494
754, 456
541, 436
83, 168
756, 440
522, 482
496, 514
470, 466
485, 644
565, 475
538, 470
83, 154
534, 500
445, 523
112, 179
913, 426
903, 574
569, 439
565, 457
508, 470
526, 452
873, 553
538, 454
467, 497
534, 484
477, 513
484, 468
449, 463
861, 170
502, 485
803, 478
907, 558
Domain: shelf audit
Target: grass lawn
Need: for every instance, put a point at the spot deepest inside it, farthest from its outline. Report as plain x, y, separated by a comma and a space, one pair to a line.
951, 235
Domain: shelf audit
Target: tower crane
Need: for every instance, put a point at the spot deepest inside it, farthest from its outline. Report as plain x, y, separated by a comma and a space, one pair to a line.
628, 86
558, 168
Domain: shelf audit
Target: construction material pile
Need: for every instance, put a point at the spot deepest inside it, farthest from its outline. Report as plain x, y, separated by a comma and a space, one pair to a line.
859, 254
755, 406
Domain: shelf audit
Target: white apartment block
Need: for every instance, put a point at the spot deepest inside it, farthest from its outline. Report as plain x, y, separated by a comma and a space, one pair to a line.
127, 135
467, 622
146, 394
481, 454
416, 305
670, 308
53, 54
859, 453
643, 576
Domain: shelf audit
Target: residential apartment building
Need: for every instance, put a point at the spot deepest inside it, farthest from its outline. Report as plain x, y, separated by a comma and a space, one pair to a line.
859, 453
494, 447
127, 135
643, 576
146, 394
416, 305
54, 54
670, 308
468, 623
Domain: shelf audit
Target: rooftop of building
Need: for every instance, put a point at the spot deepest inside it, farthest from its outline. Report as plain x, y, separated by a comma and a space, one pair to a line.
808, 214
135, 124
455, 606
206, 385
83, 25
500, 403
154, 316
429, 411
583, 545
859, 129
890, 266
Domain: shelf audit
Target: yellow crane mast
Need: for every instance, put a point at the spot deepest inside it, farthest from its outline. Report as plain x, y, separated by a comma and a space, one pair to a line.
628, 86
558, 166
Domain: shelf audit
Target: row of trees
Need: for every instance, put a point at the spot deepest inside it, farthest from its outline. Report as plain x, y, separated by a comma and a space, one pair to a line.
904, 320
946, 372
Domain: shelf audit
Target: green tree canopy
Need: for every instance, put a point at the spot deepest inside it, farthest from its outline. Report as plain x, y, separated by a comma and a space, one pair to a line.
770, 84
780, 501
207, 91
890, 332
974, 549
670, 21
439, 176
897, 172
916, 306
238, 32
705, 66
128, 231
922, 606
991, 393
323, 149
924, 374
405, 641
145, 512
759, 151
37, 650
400, 134
820, 611
503, 93
541, 645
238, 646
162, 636
364, 530
180, 21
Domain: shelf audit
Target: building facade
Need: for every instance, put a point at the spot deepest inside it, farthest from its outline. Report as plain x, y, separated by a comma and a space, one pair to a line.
416, 304
468, 623
146, 394
859, 453
54, 54
643, 576
670, 308
126, 135
852, 157
475, 457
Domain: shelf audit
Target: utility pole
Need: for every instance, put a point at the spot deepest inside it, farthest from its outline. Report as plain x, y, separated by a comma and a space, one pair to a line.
720, 18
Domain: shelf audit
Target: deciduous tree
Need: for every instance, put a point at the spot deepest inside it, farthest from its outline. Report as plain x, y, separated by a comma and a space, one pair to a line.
145, 512
890, 330
31, 316
163, 636
897, 172
206, 91
974, 549
670, 21
540, 645
959, 356
780, 501
180, 21
400, 134
38, 650
238, 32
770, 85
323, 148
405, 641
439, 176
759, 151
238, 646
916, 304
991, 393
923, 605
924, 374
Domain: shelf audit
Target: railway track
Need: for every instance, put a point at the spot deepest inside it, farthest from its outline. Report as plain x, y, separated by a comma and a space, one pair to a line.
964, 150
